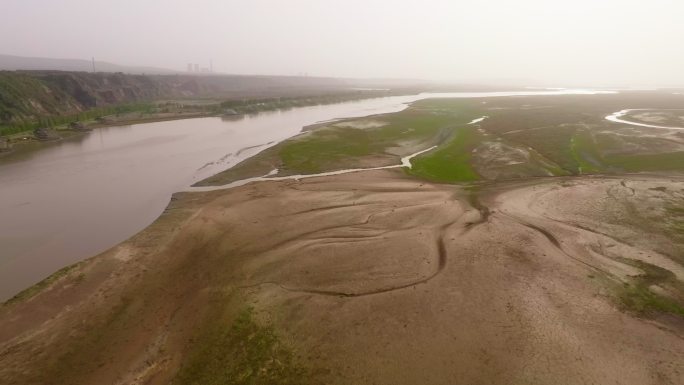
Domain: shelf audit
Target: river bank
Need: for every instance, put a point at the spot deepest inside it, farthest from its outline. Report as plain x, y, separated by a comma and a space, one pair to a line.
26, 141
121, 178
184, 109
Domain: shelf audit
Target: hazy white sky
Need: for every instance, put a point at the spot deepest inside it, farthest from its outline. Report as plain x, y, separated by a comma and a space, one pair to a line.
596, 42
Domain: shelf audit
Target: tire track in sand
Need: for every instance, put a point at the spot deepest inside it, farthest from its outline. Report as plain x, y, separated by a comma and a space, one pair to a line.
441, 264
554, 241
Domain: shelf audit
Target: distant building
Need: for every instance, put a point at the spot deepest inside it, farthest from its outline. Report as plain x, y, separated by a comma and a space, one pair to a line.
189, 67
197, 68
5, 145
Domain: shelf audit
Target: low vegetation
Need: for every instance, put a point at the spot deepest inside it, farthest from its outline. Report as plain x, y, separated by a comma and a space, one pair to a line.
450, 162
334, 146
556, 138
91, 115
637, 295
241, 353
670, 161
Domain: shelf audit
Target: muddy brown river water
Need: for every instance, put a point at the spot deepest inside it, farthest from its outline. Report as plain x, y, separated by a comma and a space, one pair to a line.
76, 198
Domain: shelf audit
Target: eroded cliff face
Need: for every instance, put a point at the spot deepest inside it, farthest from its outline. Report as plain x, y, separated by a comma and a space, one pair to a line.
29, 95
93, 90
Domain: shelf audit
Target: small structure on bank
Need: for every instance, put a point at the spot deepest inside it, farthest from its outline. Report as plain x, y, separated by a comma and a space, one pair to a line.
44, 133
5, 145
78, 126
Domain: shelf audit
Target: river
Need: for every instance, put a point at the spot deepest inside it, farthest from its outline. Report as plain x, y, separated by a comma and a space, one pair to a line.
76, 198
617, 118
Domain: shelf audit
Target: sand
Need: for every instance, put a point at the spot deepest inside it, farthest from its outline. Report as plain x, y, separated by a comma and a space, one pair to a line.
372, 278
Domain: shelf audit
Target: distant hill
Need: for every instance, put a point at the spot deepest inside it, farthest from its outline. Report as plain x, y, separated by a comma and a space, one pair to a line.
14, 63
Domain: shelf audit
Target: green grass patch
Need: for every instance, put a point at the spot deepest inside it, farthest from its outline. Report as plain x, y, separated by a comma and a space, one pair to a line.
585, 152
639, 299
324, 149
332, 147
675, 220
83, 352
29, 124
553, 143
244, 353
636, 296
548, 164
450, 162
674, 210
671, 161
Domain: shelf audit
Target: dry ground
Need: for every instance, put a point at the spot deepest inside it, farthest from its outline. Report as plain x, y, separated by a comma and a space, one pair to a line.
375, 278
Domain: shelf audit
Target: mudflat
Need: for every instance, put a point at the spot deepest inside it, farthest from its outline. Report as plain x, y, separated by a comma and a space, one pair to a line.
373, 278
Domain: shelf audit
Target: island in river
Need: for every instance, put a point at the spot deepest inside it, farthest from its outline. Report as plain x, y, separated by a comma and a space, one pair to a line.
542, 244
